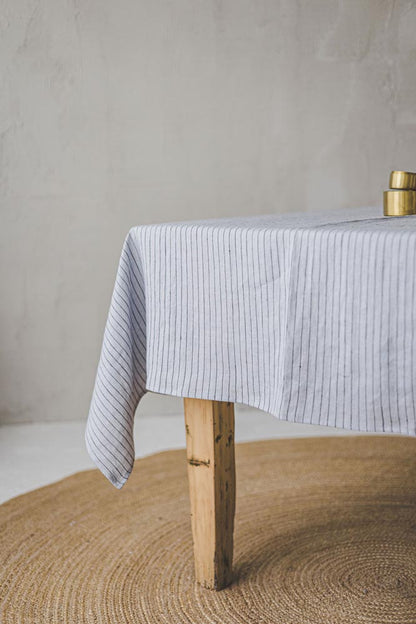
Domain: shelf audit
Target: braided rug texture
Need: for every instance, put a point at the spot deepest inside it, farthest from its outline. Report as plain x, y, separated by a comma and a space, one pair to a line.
325, 533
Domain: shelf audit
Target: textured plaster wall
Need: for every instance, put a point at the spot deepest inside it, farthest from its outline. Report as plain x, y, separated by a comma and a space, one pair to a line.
119, 113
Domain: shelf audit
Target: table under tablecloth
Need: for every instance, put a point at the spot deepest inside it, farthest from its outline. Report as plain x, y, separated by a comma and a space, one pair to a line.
308, 316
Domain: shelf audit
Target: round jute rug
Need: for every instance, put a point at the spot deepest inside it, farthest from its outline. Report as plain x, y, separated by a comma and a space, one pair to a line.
325, 533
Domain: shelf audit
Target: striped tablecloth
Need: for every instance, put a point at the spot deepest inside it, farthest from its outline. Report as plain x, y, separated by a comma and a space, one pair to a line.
309, 316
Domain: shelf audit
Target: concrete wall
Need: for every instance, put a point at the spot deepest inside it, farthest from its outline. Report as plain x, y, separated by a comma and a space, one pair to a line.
120, 113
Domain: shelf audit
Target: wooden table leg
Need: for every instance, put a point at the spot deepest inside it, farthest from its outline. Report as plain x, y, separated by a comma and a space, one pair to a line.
211, 473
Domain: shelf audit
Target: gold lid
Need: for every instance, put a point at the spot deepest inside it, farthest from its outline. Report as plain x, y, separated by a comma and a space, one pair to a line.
402, 180
399, 202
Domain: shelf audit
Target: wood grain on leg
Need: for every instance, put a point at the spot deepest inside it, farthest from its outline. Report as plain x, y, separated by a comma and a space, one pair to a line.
211, 472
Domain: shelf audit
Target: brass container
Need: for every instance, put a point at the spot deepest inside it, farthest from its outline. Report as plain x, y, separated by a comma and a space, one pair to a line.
398, 203
400, 200
402, 180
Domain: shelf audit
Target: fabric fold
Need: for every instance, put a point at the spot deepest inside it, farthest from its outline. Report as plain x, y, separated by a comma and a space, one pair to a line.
121, 376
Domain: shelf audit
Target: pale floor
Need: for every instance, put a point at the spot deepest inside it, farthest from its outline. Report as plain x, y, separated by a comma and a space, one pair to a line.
33, 455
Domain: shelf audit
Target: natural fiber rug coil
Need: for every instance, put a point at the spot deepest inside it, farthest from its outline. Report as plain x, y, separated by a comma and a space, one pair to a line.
325, 533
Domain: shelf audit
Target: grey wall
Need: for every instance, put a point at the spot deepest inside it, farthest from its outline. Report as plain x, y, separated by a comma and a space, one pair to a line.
120, 113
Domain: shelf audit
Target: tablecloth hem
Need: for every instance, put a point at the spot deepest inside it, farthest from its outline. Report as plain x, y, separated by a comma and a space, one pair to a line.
118, 482
266, 408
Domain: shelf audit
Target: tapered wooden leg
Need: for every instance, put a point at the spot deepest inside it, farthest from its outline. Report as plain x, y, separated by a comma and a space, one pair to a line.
211, 472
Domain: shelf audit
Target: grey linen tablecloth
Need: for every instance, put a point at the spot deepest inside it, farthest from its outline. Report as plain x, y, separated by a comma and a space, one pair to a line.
308, 316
